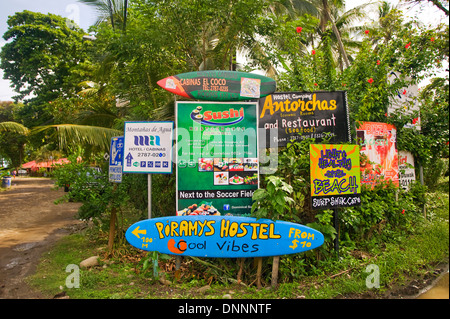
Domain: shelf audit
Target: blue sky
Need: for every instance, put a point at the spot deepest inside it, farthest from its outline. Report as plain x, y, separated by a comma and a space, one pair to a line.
85, 16
67, 8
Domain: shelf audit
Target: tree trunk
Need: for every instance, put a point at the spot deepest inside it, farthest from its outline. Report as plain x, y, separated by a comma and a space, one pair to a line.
336, 32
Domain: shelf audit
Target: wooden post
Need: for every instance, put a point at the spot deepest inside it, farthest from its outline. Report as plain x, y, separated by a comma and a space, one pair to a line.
276, 262
112, 225
241, 266
336, 226
112, 230
424, 210
177, 267
258, 272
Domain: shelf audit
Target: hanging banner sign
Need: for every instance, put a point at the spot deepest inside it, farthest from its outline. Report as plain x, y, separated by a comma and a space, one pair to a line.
148, 147
407, 173
378, 148
224, 236
335, 176
302, 115
217, 158
216, 85
116, 159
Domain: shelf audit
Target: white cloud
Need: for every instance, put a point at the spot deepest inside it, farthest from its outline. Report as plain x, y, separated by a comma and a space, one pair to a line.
6, 92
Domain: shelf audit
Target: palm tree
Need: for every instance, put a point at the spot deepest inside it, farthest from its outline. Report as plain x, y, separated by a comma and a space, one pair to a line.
325, 17
328, 12
344, 22
114, 10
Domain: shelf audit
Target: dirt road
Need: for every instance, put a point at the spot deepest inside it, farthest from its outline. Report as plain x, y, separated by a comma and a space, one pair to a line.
30, 223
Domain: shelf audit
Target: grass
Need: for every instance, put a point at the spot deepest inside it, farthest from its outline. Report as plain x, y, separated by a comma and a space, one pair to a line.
398, 261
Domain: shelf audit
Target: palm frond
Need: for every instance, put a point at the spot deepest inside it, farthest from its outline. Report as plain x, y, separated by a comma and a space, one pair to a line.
114, 10
14, 127
71, 134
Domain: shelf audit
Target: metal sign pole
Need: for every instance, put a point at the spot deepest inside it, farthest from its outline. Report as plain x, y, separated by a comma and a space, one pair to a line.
149, 179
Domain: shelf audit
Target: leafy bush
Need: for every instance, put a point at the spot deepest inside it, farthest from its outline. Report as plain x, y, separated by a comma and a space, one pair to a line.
386, 212
85, 184
274, 200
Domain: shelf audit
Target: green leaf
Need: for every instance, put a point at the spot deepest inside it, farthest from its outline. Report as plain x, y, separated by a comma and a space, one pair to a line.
259, 194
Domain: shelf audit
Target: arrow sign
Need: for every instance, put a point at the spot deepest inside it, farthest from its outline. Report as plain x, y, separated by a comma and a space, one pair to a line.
138, 231
129, 158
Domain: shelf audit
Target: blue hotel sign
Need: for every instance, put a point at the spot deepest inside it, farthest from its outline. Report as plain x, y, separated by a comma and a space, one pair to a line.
116, 159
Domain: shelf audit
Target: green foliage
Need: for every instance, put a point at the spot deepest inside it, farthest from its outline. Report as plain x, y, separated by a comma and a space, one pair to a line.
42, 49
385, 212
273, 201
13, 135
151, 262
85, 184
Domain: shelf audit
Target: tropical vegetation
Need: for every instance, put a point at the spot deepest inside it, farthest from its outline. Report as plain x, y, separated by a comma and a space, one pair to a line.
76, 89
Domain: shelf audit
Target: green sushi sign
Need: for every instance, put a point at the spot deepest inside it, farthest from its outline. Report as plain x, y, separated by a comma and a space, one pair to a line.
217, 158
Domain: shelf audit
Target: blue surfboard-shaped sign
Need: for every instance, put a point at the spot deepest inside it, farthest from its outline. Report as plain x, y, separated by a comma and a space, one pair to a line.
222, 236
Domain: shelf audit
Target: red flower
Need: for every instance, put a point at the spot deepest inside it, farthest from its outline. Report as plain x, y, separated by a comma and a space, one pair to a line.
403, 212
370, 80
432, 39
299, 29
385, 114
366, 32
313, 52
378, 62
315, 84
414, 121
408, 45
404, 92
343, 84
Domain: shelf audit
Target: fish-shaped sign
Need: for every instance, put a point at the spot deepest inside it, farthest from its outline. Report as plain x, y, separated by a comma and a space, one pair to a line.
216, 85
222, 236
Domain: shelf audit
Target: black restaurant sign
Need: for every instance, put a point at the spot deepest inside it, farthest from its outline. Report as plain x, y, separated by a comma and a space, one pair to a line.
302, 115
